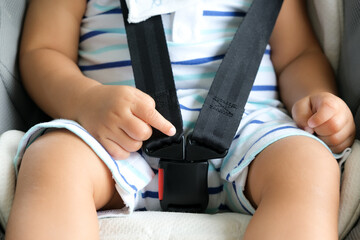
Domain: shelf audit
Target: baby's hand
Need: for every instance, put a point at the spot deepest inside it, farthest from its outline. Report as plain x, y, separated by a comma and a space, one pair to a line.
329, 117
120, 118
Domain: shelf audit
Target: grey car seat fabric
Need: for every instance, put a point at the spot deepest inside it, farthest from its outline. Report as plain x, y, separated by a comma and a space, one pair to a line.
354, 233
349, 75
349, 71
17, 111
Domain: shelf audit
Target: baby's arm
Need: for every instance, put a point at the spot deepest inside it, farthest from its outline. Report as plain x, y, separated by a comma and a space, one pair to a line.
306, 81
119, 117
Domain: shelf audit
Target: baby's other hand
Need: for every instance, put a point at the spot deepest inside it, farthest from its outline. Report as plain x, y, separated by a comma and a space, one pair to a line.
328, 117
120, 118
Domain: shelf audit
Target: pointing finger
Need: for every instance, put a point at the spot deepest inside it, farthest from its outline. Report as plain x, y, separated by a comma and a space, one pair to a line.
151, 116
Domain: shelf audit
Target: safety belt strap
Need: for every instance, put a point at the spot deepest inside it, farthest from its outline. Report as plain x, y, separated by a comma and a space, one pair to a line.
234, 79
153, 74
183, 165
228, 93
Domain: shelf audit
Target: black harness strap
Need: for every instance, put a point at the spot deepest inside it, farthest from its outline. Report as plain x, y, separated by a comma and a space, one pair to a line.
153, 75
184, 183
233, 81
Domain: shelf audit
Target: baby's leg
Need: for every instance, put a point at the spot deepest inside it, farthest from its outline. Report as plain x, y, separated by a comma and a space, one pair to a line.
295, 184
60, 185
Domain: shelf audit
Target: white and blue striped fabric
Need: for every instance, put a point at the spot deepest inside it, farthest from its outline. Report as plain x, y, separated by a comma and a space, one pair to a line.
197, 39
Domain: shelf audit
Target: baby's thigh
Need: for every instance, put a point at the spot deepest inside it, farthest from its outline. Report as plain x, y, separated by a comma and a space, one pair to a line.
61, 160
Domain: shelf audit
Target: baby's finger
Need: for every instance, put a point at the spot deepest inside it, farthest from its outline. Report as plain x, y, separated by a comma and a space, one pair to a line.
338, 138
126, 142
323, 109
137, 129
342, 146
114, 149
332, 126
119, 137
301, 112
152, 117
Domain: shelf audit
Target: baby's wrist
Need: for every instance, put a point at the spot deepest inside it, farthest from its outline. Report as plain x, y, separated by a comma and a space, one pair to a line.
82, 100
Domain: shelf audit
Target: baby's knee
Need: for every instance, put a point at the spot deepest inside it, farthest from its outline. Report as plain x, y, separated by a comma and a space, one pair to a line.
61, 160
311, 161
305, 156
294, 164
54, 151
316, 159
59, 154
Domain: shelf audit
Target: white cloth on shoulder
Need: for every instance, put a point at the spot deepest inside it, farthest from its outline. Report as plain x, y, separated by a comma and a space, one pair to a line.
140, 10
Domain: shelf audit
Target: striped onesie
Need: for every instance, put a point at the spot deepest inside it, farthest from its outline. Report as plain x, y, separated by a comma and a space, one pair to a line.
197, 39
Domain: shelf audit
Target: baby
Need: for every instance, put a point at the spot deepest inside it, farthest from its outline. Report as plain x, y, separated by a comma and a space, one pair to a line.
279, 168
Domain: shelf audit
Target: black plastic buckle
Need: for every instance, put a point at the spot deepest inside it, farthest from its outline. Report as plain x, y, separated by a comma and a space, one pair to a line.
173, 151
183, 173
183, 186
195, 151
185, 150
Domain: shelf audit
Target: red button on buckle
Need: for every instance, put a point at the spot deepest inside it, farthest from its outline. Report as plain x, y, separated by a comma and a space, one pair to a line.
161, 183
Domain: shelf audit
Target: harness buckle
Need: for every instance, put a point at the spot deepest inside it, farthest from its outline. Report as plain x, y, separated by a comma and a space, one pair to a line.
183, 182
183, 185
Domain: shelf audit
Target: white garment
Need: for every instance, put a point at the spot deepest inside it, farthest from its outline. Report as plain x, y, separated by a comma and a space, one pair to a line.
140, 10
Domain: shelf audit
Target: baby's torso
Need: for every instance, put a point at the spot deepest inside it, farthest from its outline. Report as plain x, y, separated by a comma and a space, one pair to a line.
197, 39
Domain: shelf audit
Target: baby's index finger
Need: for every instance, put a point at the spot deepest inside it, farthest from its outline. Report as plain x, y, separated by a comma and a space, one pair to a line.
157, 121
152, 117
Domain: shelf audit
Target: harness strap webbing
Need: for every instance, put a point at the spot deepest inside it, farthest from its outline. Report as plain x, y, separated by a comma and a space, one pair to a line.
234, 79
224, 106
153, 74
183, 165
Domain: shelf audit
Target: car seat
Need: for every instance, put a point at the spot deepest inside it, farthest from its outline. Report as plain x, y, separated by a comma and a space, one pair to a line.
18, 113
